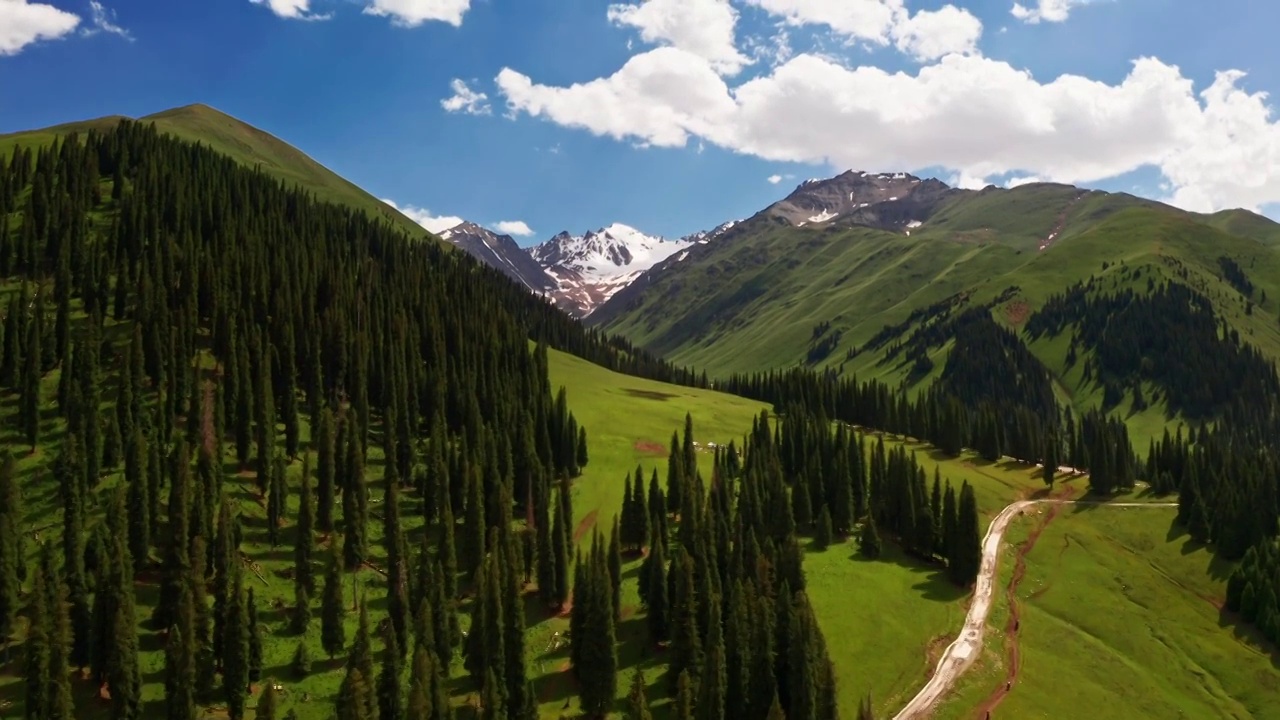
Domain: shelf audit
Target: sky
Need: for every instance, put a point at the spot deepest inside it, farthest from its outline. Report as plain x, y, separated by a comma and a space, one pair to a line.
536, 116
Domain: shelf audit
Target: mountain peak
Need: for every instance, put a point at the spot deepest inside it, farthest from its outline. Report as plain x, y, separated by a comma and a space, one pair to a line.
891, 201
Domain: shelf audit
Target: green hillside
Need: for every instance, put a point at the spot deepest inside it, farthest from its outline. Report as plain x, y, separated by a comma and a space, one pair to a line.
245, 144
774, 296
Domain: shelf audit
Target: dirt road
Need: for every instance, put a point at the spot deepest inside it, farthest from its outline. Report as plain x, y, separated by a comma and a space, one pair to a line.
961, 653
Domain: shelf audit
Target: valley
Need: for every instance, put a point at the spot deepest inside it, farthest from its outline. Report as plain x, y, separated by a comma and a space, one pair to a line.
226, 369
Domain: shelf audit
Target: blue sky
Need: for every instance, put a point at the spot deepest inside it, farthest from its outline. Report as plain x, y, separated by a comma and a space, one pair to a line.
689, 108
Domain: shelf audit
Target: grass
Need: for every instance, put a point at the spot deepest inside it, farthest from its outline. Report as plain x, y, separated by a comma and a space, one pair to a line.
1120, 618
753, 302
245, 144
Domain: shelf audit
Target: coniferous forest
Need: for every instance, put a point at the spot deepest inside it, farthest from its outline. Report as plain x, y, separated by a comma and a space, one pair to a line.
182, 335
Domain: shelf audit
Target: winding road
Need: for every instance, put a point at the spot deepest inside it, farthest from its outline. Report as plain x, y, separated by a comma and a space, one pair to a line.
961, 653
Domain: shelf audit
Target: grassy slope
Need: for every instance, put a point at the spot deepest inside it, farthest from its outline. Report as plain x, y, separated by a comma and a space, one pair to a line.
1120, 619
773, 287
242, 142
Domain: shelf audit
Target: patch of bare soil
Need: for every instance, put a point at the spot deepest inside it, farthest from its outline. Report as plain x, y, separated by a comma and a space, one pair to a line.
651, 448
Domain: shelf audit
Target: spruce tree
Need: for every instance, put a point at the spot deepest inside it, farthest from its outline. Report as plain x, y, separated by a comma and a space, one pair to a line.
711, 700
637, 703
267, 703
390, 703
255, 637
301, 662
333, 634
304, 537
869, 540
235, 647
822, 535
11, 549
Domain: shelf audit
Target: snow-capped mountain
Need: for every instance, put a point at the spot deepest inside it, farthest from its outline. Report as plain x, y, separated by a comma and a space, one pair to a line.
590, 268
502, 253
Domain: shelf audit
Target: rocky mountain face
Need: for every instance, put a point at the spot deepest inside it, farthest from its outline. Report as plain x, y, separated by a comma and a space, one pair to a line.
580, 273
502, 253
588, 269
889, 201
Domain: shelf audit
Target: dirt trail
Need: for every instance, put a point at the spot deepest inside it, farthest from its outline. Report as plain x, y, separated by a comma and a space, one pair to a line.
961, 653
1015, 614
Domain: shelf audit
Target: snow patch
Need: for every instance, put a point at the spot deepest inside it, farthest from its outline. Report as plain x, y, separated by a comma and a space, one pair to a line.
914, 224
823, 216
895, 197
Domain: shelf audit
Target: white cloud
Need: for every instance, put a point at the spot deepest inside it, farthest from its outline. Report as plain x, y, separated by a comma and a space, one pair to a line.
1053, 11
971, 115
103, 20
702, 27
926, 35
774, 179
293, 9
434, 223
513, 227
1014, 182
23, 23
465, 100
412, 13
931, 34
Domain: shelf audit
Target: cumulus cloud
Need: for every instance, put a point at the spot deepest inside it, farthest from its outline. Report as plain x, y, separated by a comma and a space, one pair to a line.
925, 35
702, 27
774, 179
434, 223
412, 13
23, 23
293, 9
513, 227
971, 115
1054, 11
103, 21
465, 100
1014, 182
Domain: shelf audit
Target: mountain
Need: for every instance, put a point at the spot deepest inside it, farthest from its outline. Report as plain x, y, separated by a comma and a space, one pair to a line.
588, 269
842, 271
889, 201
502, 253
244, 143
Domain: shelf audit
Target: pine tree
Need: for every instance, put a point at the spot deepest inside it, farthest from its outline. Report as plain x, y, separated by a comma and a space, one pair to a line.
235, 647
658, 613
36, 649
267, 703
180, 676
711, 701
390, 703
304, 538
255, 638
333, 634
637, 703
360, 660
301, 662
822, 536
353, 696
684, 696
869, 540
966, 553
11, 550
326, 461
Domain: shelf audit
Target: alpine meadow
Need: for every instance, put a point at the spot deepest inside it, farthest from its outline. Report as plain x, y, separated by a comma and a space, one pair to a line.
990, 429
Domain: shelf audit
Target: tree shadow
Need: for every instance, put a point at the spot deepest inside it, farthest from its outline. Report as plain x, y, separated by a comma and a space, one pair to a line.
932, 582
1249, 635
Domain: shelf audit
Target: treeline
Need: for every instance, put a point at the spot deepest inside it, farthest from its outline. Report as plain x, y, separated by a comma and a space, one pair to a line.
186, 320
995, 428
1253, 586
